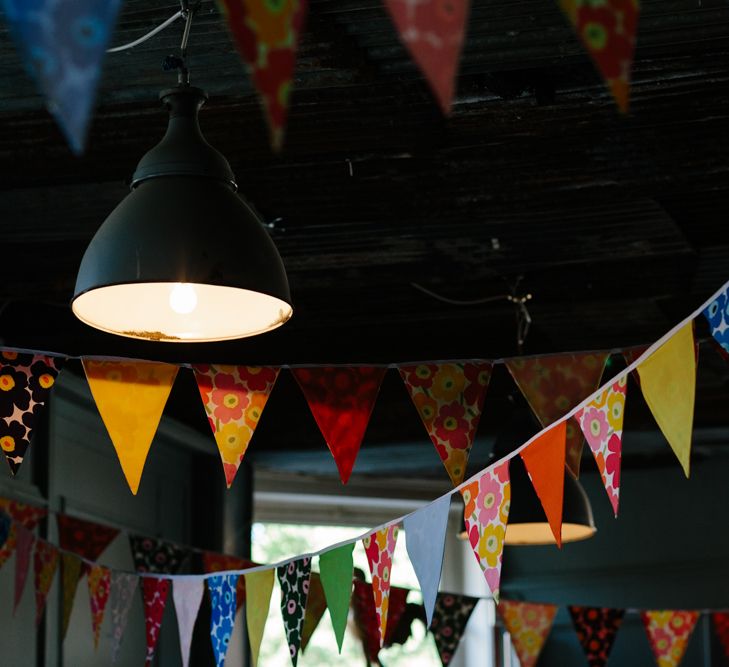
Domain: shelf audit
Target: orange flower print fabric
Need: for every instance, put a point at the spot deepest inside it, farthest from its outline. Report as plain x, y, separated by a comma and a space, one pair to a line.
486, 513
555, 384
669, 633
45, 563
379, 548
234, 398
529, 625
266, 33
602, 423
449, 398
25, 383
607, 29
99, 580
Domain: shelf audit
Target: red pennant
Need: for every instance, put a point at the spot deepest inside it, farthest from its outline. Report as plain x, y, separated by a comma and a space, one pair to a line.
84, 538
154, 594
45, 562
214, 562
721, 625
365, 616
341, 400
433, 32
544, 461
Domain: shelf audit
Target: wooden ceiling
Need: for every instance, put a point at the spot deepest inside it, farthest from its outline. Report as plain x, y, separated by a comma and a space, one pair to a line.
615, 225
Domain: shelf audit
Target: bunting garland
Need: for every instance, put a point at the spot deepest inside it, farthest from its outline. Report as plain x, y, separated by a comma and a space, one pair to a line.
596, 629
187, 595
123, 586
222, 617
336, 567
528, 624
717, 314
157, 556
316, 605
24, 540
70, 575
99, 580
45, 563
259, 586
379, 548
450, 616
669, 633
721, 626
294, 581
215, 562
85, 538
154, 595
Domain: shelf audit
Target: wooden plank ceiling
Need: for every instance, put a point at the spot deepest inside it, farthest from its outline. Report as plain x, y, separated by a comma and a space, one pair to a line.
616, 226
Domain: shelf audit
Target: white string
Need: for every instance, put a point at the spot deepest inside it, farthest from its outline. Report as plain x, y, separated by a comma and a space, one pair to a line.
149, 35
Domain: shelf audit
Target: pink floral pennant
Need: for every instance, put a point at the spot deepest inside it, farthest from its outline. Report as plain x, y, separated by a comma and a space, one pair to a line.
379, 548
154, 594
234, 398
45, 563
341, 400
602, 423
449, 398
433, 31
529, 625
669, 633
487, 501
99, 580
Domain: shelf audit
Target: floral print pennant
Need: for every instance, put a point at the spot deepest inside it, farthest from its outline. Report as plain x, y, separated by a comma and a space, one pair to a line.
717, 313
450, 616
554, 384
157, 556
293, 577
99, 580
596, 629
123, 587
234, 398
25, 383
84, 538
602, 423
528, 624
449, 398
222, 615
70, 575
154, 594
341, 400
669, 633
45, 563
379, 548
215, 562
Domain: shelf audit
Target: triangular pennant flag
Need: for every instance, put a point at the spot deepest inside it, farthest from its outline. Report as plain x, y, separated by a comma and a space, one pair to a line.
341, 400
24, 543
449, 399
669, 633
602, 423
397, 604
668, 381
425, 532
450, 616
157, 556
528, 624
130, 396
70, 574
293, 578
99, 580
234, 398
316, 605
365, 617
215, 562
63, 49
84, 538
17, 513
222, 615
433, 32
554, 384
267, 36
487, 502
335, 567
544, 461
596, 629
379, 547
258, 586
608, 32
187, 595
45, 563
721, 625
25, 382
717, 313
154, 594
123, 587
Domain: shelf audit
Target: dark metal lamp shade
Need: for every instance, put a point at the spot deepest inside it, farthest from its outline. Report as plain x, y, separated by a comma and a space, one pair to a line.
183, 258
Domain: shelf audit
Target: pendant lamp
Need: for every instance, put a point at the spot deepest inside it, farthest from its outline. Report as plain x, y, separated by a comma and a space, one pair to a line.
183, 258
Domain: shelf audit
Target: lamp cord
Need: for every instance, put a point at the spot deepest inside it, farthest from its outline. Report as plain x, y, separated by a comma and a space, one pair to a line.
149, 35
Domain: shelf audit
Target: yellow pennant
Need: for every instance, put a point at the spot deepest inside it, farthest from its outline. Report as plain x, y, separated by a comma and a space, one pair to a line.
130, 396
258, 598
668, 381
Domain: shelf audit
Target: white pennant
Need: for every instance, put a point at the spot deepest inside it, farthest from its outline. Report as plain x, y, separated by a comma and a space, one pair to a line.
123, 587
187, 594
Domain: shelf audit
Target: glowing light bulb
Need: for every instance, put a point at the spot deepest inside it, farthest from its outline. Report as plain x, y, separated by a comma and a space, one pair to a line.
183, 298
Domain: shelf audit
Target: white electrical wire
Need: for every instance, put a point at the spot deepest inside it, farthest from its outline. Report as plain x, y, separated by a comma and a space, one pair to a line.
149, 35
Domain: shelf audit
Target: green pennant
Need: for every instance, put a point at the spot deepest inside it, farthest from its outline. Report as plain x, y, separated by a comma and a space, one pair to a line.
335, 568
258, 599
70, 575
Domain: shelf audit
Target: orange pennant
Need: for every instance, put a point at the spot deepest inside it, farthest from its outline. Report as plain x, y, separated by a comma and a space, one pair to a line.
544, 461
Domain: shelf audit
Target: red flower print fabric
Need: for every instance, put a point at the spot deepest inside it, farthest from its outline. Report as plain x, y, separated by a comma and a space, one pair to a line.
449, 399
341, 400
721, 625
602, 423
433, 31
267, 35
596, 629
234, 398
379, 548
529, 625
554, 384
450, 616
84, 538
214, 562
607, 29
487, 502
99, 580
45, 563
25, 382
669, 633
154, 594
157, 556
